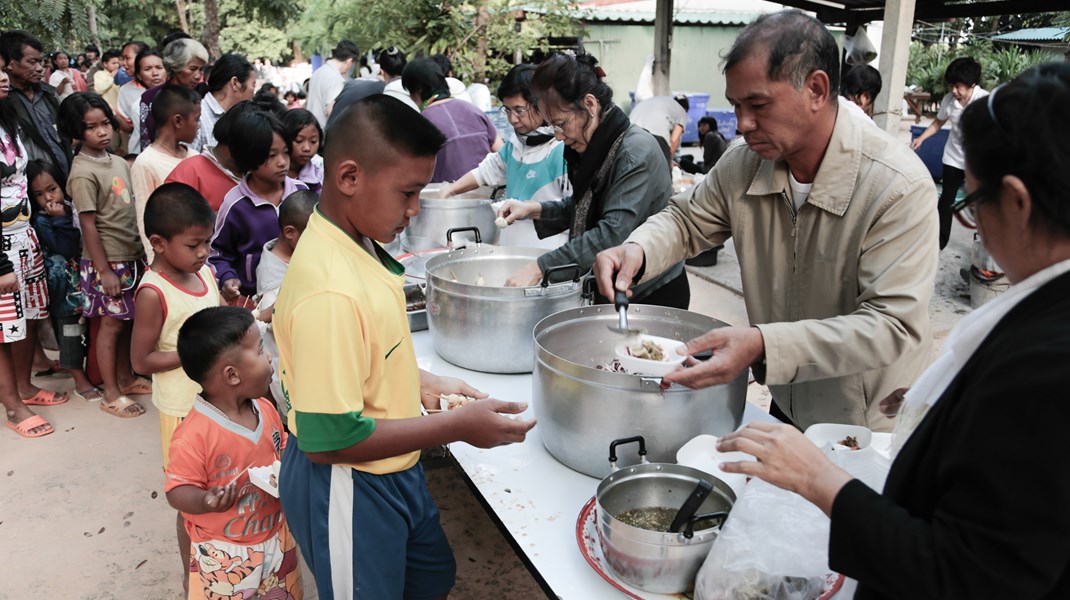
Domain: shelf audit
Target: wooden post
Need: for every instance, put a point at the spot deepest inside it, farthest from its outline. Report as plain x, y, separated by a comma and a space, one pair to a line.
662, 47
895, 54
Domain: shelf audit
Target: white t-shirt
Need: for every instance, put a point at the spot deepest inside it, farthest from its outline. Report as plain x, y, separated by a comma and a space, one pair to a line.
951, 111
799, 191
130, 108
323, 88
56, 78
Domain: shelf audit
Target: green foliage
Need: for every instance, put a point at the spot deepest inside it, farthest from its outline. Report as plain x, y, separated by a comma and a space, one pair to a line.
57, 23
998, 64
256, 32
438, 26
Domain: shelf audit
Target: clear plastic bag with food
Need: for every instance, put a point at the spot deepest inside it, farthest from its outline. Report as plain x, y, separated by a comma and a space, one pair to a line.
774, 545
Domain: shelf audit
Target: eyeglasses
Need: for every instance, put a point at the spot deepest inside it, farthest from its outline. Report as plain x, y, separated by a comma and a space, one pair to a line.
969, 201
991, 106
519, 111
560, 128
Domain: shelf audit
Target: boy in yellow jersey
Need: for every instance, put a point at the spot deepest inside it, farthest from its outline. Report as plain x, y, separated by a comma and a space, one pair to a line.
352, 489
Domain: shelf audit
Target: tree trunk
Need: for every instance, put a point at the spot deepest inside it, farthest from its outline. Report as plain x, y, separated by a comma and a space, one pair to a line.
298, 57
482, 19
211, 27
182, 22
91, 14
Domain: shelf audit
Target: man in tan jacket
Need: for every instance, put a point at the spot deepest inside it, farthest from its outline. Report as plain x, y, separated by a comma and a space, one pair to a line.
834, 222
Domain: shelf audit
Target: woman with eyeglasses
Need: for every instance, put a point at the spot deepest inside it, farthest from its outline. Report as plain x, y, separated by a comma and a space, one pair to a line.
618, 178
975, 505
470, 134
531, 163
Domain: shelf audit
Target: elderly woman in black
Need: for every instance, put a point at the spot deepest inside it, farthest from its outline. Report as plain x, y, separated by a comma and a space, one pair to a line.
617, 172
975, 505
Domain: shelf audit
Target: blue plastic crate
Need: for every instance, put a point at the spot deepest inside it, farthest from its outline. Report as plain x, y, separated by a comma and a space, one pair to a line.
697, 109
932, 151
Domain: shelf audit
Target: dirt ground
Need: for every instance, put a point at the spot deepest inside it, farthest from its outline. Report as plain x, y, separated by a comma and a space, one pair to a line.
83, 516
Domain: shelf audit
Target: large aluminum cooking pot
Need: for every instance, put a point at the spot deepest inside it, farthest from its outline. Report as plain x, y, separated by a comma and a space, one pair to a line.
477, 322
581, 409
657, 561
438, 215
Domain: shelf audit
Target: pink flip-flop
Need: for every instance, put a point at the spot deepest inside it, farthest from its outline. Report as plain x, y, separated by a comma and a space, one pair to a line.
45, 398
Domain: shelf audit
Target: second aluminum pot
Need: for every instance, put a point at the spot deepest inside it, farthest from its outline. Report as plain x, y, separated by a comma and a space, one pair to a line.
439, 215
581, 409
476, 322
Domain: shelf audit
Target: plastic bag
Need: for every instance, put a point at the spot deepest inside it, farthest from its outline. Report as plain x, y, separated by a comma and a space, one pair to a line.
859, 48
774, 545
644, 88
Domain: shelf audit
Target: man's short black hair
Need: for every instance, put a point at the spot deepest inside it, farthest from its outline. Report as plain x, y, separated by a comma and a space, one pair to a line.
12, 44
226, 68
108, 55
682, 100
209, 334
251, 137
174, 35
345, 50
443, 63
797, 45
92, 48
175, 207
173, 100
964, 70
297, 208
381, 122
70, 121
862, 79
424, 78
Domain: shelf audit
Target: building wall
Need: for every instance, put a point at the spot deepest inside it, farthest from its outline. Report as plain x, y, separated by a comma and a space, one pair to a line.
622, 50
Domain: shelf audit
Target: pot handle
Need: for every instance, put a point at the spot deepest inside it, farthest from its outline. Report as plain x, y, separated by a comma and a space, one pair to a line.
546, 276
613, 450
450, 232
689, 529
588, 289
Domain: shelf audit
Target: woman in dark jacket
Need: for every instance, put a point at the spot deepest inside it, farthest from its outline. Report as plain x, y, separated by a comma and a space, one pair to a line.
617, 173
975, 505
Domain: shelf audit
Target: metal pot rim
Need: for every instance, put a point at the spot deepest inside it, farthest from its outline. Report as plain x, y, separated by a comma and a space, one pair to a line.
484, 252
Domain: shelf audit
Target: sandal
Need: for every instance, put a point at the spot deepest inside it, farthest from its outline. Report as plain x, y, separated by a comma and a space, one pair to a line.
28, 424
93, 394
140, 386
45, 398
120, 406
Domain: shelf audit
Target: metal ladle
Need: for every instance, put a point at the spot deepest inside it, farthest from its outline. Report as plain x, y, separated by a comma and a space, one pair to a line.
620, 302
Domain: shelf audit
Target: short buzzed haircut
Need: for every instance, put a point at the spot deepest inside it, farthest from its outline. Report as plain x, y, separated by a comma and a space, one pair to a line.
175, 207
209, 334
297, 208
381, 123
797, 44
173, 100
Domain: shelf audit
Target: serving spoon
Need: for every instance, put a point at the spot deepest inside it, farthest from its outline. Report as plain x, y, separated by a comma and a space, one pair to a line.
620, 302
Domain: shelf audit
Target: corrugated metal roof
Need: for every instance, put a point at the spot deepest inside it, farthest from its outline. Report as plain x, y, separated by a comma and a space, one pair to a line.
602, 15
1038, 34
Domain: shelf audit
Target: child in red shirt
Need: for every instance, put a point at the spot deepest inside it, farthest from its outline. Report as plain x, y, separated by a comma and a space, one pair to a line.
241, 544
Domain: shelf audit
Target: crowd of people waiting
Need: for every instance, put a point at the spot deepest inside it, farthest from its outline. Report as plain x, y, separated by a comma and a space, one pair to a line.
157, 215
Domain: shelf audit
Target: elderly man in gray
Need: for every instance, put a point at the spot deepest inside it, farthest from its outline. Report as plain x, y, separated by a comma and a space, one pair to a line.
835, 226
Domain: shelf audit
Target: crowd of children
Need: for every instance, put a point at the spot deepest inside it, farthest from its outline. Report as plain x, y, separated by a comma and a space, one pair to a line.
170, 265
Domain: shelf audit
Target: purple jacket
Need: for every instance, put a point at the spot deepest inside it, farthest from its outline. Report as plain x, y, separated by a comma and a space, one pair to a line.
244, 224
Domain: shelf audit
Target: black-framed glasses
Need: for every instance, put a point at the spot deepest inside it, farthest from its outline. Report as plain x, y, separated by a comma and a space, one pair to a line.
519, 111
969, 201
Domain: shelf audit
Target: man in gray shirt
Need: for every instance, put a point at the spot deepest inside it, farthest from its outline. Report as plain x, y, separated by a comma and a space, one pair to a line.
35, 102
665, 117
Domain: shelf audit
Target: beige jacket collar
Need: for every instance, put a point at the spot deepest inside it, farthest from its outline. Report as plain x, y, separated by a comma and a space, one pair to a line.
840, 165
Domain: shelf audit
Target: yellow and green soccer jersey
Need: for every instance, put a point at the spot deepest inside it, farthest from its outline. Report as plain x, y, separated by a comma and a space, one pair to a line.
346, 356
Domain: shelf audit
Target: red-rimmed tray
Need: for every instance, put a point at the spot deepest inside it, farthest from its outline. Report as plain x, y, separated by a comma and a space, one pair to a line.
587, 539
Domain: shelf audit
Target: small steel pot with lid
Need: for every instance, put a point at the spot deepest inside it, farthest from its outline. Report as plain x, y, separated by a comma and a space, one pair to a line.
659, 561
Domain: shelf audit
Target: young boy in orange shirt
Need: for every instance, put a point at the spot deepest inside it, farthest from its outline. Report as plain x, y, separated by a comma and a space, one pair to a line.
178, 283
242, 547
